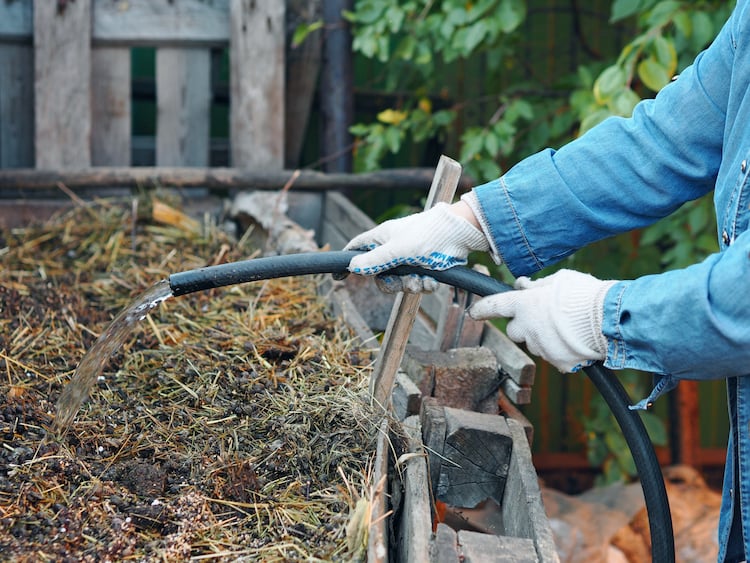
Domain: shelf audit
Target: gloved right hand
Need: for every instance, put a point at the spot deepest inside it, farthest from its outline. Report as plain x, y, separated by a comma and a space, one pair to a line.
436, 239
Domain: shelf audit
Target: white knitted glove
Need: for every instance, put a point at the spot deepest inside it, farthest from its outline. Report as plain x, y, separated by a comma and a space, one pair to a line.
436, 239
558, 317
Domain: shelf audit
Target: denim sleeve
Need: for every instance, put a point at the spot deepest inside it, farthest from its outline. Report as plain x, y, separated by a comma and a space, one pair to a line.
622, 174
692, 323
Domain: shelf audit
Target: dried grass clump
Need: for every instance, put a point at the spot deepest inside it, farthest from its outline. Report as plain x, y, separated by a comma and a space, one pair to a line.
233, 424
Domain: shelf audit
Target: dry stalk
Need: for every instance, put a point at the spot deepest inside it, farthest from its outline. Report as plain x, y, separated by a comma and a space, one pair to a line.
232, 425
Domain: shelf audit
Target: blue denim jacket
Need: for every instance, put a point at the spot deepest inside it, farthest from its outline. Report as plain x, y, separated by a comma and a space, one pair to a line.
694, 323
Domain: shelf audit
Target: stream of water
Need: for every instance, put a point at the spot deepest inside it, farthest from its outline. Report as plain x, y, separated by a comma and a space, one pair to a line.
93, 362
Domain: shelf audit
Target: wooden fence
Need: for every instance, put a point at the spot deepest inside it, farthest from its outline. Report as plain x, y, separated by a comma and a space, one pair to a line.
65, 76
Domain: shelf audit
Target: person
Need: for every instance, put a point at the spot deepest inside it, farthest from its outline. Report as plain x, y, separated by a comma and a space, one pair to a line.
625, 173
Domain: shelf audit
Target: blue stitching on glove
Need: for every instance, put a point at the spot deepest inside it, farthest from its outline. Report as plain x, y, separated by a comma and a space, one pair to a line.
435, 261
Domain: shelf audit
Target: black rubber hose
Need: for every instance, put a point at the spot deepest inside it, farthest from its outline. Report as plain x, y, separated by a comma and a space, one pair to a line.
647, 465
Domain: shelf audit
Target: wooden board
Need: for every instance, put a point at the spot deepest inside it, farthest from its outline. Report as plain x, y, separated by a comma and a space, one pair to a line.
16, 109
514, 361
476, 458
416, 527
183, 92
406, 306
110, 106
256, 59
482, 548
62, 89
523, 511
143, 22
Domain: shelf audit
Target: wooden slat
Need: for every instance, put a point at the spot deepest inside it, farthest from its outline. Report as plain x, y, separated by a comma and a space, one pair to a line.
256, 58
522, 490
514, 361
406, 306
161, 22
110, 106
416, 527
183, 92
377, 538
62, 90
16, 19
16, 109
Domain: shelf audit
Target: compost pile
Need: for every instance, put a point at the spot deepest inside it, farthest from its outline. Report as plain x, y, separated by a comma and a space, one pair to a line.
232, 424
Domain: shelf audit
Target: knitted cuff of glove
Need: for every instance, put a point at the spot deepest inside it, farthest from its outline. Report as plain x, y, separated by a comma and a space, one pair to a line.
457, 230
592, 309
471, 200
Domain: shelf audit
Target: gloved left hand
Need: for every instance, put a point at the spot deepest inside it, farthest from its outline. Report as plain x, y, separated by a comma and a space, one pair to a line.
435, 239
558, 317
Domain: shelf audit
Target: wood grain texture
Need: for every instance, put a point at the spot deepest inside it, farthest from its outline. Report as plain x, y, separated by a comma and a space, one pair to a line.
110, 106
256, 58
183, 96
62, 85
160, 22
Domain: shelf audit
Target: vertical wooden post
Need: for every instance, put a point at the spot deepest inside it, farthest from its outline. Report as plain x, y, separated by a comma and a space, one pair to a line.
110, 106
62, 86
685, 429
256, 75
183, 101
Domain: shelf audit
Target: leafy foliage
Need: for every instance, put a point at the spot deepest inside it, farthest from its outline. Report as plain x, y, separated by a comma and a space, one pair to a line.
422, 45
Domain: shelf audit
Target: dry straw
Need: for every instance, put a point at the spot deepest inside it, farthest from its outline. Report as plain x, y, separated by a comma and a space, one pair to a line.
232, 425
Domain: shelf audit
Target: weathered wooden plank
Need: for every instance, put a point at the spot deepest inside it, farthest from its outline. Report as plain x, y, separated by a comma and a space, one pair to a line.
516, 393
343, 219
511, 358
110, 106
444, 546
183, 92
407, 397
455, 329
16, 108
62, 90
377, 539
523, 511
16, 20
484, 548
465, 378
163, 22
416, 528
406, 306
475, 464
509, 410
256, 59
434, 425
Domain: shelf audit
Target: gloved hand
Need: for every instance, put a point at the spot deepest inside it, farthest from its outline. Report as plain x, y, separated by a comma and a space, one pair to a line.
558, 317
436, 239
